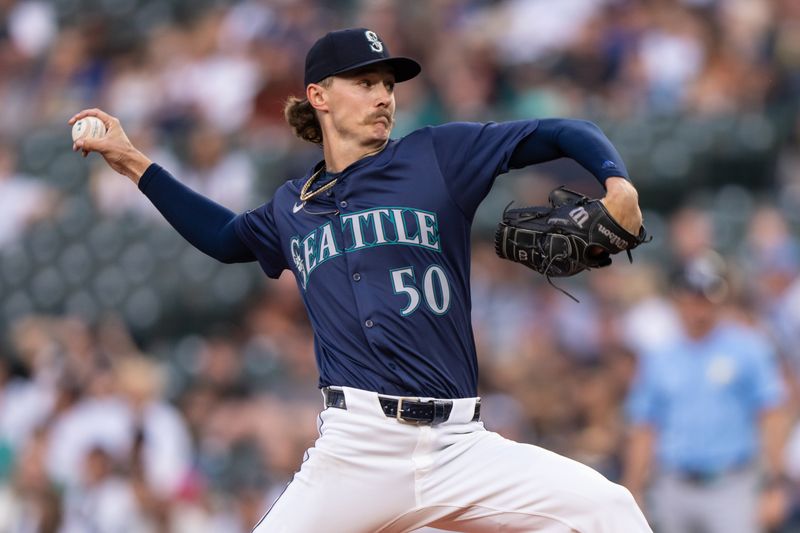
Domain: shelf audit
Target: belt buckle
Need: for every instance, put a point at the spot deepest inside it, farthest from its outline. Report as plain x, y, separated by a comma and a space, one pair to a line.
399, 414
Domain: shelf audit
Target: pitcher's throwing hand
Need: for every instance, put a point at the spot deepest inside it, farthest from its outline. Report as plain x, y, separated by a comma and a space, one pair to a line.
114, 145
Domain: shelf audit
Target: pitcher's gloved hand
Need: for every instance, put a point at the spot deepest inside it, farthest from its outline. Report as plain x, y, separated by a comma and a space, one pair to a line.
573, 234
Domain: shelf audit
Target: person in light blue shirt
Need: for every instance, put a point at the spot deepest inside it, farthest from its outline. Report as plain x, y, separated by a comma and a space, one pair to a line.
705, 415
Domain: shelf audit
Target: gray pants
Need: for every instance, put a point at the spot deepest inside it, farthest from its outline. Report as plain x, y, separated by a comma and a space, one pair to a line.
726, 504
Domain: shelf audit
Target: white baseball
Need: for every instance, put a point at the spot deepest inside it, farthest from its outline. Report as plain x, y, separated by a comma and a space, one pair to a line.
88, 127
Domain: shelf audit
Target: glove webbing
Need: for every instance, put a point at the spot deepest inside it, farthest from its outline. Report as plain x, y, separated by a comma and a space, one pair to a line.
546, 271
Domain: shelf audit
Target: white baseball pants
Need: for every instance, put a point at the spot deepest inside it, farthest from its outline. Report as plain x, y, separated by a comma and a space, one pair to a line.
369, 473
728, 504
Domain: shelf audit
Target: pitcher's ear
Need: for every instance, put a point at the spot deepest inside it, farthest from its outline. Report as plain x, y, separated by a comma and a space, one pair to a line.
316, 96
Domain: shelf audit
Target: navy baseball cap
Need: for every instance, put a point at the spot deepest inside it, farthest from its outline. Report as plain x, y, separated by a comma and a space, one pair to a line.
705, 275
343, 50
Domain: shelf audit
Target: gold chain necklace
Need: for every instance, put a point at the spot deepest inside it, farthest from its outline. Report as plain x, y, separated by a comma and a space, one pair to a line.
305, 195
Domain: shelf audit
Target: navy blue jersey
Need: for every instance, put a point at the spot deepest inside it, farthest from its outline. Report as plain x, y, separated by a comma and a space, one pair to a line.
382, 259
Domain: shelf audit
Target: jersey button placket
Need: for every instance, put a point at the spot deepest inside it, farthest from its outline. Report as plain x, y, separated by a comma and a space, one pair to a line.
355, 276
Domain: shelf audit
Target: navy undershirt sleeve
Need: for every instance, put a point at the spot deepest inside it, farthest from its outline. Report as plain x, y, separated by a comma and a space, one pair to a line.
208, 226
579, 140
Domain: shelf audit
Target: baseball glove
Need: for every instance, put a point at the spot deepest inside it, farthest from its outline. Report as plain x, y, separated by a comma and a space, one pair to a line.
573, 234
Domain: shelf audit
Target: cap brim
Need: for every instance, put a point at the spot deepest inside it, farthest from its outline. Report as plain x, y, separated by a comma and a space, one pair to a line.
712, 288
404, 68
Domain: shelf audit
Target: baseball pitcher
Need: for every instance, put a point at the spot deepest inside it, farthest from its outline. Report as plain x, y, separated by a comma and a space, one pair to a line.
377, 235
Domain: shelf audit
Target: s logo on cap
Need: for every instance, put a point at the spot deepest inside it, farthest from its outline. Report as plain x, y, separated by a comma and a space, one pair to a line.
375, 43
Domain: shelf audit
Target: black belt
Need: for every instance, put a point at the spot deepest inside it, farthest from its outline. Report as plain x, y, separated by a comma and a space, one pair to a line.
698, 477
408, 410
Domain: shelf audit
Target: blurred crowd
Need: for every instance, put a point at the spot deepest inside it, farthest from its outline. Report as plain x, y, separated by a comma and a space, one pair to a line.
145, 388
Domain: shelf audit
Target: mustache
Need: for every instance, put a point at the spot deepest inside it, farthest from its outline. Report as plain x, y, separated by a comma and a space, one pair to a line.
381, 114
